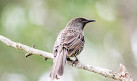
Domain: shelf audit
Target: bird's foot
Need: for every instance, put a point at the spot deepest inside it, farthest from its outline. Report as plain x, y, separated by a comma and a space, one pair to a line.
75, 62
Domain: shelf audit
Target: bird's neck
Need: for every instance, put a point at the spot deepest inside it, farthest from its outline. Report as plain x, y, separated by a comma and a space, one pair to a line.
74, 28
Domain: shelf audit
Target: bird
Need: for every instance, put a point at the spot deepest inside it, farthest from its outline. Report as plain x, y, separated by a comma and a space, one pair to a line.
69, 43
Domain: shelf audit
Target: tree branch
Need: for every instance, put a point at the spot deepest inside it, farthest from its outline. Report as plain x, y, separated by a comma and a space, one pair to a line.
123, 75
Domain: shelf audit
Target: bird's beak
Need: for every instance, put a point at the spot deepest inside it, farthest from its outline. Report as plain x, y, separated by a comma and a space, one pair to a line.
91, 20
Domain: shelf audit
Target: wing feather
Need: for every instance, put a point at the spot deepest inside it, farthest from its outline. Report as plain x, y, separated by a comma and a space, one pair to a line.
73, 41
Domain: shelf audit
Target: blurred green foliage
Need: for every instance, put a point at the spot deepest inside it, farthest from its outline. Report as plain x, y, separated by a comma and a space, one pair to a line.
111, 40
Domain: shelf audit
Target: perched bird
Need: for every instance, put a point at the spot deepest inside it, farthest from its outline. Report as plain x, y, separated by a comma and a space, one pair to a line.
70, 42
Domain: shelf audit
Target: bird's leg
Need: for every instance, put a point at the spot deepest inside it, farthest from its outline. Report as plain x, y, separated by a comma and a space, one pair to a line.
76, 58
73, 61
68, 59
76, 61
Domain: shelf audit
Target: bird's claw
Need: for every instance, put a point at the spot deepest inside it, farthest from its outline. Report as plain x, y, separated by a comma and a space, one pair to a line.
75, 62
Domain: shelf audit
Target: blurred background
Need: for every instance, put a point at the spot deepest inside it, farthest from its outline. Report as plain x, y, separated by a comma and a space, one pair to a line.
111, 40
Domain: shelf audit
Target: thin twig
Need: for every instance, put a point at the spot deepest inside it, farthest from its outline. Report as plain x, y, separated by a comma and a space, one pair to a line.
123, 75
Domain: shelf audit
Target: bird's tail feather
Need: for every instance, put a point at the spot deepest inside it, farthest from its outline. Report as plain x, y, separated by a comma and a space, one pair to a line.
58, 65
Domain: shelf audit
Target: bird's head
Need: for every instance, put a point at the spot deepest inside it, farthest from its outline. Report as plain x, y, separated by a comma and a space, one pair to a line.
79, 22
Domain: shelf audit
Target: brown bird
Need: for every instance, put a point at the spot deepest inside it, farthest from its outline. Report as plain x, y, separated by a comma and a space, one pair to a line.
70, 42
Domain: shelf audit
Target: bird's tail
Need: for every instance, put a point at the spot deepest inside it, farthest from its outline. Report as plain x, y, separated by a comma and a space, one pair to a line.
58, 65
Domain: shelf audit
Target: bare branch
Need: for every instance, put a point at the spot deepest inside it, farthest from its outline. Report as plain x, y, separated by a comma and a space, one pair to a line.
123, 75
28, 49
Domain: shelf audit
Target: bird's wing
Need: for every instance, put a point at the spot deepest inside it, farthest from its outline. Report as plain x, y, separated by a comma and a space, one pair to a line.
66, 44
70, 40
73, 41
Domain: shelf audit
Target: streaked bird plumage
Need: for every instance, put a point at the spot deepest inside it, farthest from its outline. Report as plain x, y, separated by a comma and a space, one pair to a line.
70, 42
